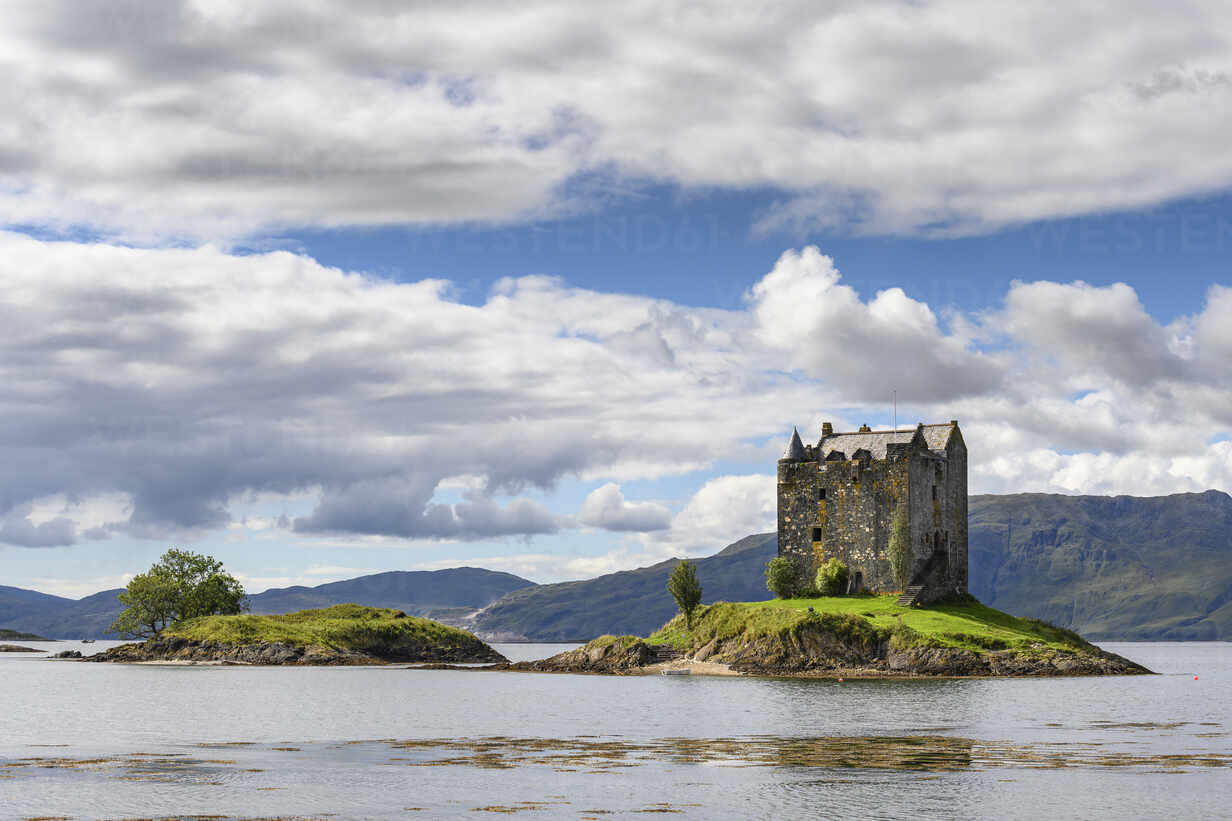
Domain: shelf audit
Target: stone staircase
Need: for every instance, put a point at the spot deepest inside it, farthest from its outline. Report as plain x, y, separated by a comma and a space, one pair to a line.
660, 653
910, 596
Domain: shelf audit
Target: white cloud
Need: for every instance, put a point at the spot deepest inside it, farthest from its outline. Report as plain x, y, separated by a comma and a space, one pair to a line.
607, 508
189, 381
1092, 331
197, 120
173, 391
869, 349
723, 510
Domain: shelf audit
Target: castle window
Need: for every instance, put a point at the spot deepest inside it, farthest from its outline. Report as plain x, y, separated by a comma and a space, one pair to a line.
821, 495
817, 534
934, 493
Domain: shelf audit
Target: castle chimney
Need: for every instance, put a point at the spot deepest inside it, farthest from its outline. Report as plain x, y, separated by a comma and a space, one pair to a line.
827, 429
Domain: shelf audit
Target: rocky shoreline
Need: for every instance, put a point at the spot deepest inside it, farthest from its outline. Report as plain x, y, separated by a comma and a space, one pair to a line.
813, 652
175, 649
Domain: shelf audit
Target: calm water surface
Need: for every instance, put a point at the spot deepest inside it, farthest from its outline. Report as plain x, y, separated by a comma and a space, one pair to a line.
115, 741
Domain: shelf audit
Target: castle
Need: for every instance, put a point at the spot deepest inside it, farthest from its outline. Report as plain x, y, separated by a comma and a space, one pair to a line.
891, 504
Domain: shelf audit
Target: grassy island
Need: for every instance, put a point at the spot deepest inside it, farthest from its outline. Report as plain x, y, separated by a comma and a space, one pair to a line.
868, 635
341, 634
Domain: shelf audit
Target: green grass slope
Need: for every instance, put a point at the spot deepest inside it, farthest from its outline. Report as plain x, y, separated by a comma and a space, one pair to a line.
633, 601
374, 631
1110, 567
966, 625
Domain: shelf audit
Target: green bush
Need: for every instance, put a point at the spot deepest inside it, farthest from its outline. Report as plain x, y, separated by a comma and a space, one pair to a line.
782, 578
808, 591
832, 577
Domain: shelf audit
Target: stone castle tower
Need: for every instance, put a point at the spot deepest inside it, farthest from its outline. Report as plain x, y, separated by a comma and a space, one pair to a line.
891, 504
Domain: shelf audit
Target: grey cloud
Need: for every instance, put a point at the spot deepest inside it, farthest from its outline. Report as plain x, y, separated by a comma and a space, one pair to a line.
20, 531
400, 507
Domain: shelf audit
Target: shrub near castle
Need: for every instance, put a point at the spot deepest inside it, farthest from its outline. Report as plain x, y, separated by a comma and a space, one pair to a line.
832, 578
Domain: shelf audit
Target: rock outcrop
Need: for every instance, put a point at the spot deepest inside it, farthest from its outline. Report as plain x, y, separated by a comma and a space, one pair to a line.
625, 655
14, 648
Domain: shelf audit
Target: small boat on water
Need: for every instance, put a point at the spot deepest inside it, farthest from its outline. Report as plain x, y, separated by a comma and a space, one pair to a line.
87, 641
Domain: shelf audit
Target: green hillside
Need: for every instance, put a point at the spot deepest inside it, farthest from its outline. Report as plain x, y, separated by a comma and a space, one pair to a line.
16, 635
420, 593
633, 601
1120, 567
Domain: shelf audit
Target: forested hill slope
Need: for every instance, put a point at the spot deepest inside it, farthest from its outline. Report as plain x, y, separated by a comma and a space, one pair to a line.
1109, 567
419, 593
632, 601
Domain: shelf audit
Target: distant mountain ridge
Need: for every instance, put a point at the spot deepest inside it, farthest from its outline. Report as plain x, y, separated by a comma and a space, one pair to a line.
447, 595
631, 601
1110, 567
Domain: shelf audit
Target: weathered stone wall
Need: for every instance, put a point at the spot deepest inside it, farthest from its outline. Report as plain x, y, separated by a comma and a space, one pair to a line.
957, 493
850, 504
857, 514
797, 490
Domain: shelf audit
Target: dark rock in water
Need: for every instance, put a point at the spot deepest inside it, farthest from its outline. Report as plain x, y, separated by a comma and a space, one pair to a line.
67, 654
14, 648
175, 648
622, 656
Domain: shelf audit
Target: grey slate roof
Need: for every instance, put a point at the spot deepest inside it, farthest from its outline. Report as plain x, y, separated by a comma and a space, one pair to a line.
936, 436
795, 448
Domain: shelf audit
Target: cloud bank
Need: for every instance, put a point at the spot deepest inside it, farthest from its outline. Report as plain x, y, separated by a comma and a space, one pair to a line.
143, 392
205, 120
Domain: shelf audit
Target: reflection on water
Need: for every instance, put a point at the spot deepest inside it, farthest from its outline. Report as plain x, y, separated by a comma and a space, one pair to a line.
110, 741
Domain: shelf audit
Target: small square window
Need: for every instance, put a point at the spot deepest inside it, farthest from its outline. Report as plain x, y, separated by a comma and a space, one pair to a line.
817, 534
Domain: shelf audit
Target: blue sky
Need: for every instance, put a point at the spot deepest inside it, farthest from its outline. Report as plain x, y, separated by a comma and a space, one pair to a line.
325, 290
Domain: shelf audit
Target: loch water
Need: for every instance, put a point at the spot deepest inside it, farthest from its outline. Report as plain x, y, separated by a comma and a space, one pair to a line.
89, 741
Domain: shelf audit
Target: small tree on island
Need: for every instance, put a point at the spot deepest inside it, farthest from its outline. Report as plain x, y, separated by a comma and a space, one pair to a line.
685, 589
781, 577
832, 577
180, 585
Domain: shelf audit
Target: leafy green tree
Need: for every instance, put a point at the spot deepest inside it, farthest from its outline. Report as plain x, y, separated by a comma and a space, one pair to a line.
685, 589
832, 577
900, 546
180, 585
781, 577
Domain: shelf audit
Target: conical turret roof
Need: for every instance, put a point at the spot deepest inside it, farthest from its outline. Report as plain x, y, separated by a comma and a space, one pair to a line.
795, 448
